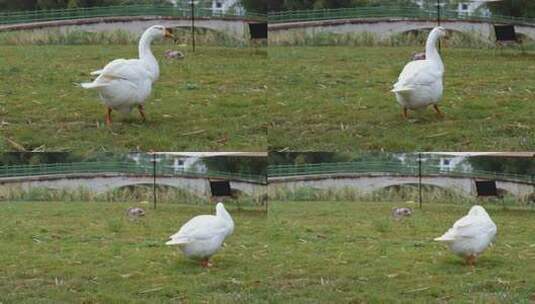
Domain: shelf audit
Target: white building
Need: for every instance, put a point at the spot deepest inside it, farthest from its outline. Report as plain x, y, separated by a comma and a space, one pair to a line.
218, 7
463, 8
444, 162
190, 164
176, 161
449, 163
226, 6
468, 8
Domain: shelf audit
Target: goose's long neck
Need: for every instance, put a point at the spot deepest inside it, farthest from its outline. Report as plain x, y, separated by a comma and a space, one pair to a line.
431, 52
145, 54
224, 215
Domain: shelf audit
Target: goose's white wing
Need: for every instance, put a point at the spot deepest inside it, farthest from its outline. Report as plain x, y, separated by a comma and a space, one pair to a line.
132, 71
417, 73
469, 227
97, 72
473, 227
199, 228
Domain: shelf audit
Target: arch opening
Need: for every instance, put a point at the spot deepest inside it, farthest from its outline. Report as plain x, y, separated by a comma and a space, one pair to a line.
143, 192
204, 36
410, 192
530, 198
524, 38
504, 192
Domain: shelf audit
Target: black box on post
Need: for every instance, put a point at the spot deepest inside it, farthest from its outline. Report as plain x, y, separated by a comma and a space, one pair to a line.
505, 33
486, 188
220, 188
258, 30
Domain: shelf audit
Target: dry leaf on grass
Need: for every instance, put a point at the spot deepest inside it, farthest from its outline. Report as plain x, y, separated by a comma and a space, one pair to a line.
16, 145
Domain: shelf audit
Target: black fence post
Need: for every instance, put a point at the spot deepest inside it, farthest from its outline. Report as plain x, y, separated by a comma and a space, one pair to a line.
420, 179
193, 24
438, 12
438, 23
154, 180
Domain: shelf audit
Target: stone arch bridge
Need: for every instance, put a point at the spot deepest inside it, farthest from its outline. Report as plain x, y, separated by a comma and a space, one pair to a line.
370, 182
383, 28
104, 182
236, 27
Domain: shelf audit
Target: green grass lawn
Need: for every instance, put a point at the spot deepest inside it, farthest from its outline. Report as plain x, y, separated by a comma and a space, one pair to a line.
350, 252
338, 98
306, 252
214, 99
91, 253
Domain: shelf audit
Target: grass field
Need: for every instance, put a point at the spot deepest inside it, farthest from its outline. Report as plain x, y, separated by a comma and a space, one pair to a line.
214, 99
306, 252
91, 253
338, 98
348, 252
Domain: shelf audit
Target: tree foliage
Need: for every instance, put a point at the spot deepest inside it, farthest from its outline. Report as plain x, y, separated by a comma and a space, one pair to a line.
259, 6
25, 158
12, 5
280, 5
17, 5
517, 8
513, 165
300, 158
244, 165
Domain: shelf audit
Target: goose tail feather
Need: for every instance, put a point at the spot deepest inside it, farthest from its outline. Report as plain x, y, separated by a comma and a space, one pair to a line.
177, 241
446, 237
92, 85
401, 90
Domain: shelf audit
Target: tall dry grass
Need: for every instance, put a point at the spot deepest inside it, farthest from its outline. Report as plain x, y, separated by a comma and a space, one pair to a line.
135, 194
406, 193
77, 37
413, 38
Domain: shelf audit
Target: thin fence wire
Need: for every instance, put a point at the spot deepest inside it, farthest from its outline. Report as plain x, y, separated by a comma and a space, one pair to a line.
118, 167
19, 17
388, 12
390, 168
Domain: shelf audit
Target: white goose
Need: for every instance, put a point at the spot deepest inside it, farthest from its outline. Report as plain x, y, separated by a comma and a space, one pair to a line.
123, 84
470, 235
202, 236
420, 82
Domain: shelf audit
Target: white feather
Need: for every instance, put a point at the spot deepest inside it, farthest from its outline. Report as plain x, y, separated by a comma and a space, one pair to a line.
471, 234
202, 236
122, 83
420, 81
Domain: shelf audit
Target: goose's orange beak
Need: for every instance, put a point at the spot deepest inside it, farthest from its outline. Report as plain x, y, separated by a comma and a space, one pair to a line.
169, 33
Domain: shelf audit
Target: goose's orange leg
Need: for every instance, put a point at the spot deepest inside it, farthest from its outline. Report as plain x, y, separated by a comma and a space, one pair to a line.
205, 263
440, 114
470, 260
405, 113
108, 117
142, 112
